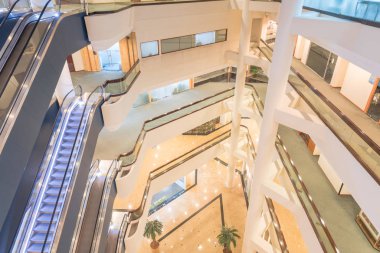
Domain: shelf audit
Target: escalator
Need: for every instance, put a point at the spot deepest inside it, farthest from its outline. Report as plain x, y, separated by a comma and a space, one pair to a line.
46, 225
10, 20
30, 66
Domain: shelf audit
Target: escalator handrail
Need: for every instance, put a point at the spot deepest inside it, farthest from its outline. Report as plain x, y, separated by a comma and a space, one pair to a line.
69, 160
8, 13
91, 178
57, 122
2, 126
111, 175
29, 38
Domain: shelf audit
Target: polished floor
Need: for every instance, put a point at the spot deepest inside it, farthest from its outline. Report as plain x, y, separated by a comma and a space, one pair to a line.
198, 234
89, 80
158, 156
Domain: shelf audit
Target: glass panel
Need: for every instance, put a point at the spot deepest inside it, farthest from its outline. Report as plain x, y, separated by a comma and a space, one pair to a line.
169, 90
359, 147
142, 99
204, 38
317, 59
15, 71
170, 45
362, 9
149, 48
221, 35
110, 59
186, 42
374, 108
4, 5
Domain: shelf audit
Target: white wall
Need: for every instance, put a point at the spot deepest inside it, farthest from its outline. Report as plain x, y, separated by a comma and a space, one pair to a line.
335, 181
64, 85
356, 86
126, 184
339, 72
78, 61
158, 22
353, 41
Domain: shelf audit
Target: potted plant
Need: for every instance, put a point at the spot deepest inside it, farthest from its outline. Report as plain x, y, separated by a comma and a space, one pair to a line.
227, 236
152, 229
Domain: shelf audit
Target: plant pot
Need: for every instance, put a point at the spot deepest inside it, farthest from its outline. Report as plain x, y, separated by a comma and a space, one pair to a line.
225, 250
154, 244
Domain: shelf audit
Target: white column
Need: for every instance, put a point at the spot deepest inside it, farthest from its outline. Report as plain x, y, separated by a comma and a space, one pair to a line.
245, 31
278, 76
64, 85
264, 28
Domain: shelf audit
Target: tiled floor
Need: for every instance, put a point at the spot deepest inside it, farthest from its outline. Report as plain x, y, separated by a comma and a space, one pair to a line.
89, 80
199, 233
290, 230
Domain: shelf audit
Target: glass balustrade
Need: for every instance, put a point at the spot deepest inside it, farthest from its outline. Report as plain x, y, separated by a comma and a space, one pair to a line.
359, 144
357, 9
129, 158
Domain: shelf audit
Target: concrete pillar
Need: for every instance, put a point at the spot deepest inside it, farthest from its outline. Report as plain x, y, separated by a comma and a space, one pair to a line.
245, 30
264, 27
278, 77
339, 72
298, 52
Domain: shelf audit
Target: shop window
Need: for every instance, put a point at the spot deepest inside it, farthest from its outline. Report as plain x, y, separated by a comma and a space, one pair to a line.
204, 38
221, 35
170, 45
149, 48
110, 59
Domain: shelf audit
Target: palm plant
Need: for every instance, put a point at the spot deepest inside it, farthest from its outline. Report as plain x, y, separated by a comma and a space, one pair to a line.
152, 229
227, 236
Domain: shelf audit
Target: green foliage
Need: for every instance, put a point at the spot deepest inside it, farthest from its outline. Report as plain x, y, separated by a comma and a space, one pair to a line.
227, 236
152, 229
255, 70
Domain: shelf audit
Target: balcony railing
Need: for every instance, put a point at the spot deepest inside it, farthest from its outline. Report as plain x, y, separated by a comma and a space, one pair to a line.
324, 237
361, 146
362, 11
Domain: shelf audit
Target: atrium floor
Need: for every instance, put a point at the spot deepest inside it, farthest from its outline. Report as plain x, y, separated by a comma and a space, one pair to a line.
198, 233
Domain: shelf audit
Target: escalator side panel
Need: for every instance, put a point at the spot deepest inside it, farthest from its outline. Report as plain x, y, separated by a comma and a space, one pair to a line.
73, 208
107, 220
91, 214
22, 195
70, 36
7, 29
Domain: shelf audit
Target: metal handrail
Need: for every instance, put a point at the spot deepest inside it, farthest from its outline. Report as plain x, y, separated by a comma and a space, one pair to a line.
8, 13
18, 60
277, 227
91, 178
70, 157
111, 175
122, 79
346, 119
143, 132
41, 174
279, 142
